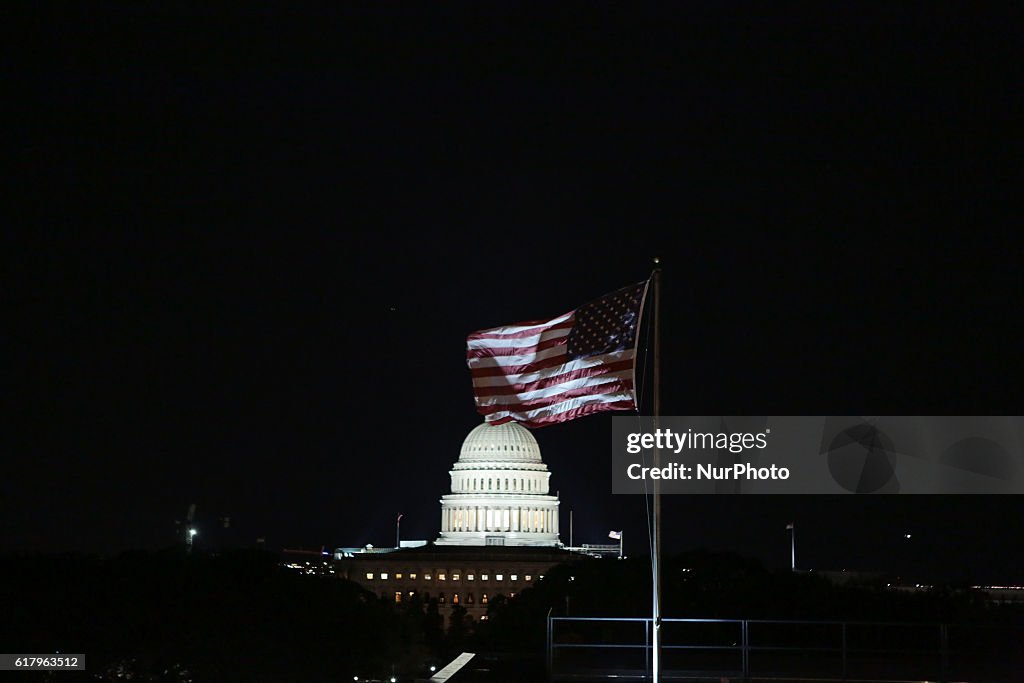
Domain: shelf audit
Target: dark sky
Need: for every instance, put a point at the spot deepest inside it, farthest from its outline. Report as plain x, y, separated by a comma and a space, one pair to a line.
246, 250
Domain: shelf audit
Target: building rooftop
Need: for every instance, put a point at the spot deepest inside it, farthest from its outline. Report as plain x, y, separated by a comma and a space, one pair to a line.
469, 552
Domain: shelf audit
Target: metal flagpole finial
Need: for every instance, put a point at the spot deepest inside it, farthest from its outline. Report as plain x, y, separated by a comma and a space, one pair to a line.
657, 260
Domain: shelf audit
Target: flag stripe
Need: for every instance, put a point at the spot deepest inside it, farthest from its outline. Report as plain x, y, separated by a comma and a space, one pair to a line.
575, 412
519, 360
584, 368
498, 371
555, 389
547, 368
498, 386
560, 330
498, 404
560, 339
520, 329
622, 389
576, 402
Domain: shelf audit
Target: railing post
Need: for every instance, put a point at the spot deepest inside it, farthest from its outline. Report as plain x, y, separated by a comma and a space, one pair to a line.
550, 652
647, 649
844, 651
943, 652
745, 643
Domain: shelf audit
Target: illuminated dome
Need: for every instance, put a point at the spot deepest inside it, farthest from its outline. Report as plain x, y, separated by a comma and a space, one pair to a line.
500, 492
509, 441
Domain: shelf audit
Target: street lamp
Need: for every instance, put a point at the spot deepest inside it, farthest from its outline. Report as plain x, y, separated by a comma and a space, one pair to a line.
189, 538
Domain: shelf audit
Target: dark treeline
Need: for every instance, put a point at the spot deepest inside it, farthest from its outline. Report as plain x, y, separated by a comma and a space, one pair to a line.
168, 616
243, 616
726, 586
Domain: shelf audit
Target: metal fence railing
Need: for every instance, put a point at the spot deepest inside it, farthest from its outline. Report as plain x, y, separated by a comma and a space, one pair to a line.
597, 648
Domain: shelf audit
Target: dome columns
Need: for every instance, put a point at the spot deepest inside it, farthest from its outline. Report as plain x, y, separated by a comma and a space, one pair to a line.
499, 492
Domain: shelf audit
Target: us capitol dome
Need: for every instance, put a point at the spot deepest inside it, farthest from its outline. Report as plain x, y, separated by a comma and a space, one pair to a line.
499, 492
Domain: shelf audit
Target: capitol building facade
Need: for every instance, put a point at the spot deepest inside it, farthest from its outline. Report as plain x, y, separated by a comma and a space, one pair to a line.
499, 531
500, 492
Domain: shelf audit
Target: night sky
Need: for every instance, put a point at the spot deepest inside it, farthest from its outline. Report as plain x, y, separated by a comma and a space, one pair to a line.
246, 248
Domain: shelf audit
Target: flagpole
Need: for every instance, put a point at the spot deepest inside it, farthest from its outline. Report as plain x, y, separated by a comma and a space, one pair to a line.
621, 534
656, 409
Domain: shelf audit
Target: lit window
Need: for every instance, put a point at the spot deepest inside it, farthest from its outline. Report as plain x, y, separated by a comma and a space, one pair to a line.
369, 576
440, 598
398, 576
511, 595
483, 577
483, 599
469, 577
455, 599
442, 577
426, 577
384, 576
412, 576
483, 617
514, 577
398, 596
497, 577
455, 577
528, 578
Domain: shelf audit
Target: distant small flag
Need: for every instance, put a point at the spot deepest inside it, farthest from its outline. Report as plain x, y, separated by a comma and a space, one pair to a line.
789, 526
617, 535
548, 371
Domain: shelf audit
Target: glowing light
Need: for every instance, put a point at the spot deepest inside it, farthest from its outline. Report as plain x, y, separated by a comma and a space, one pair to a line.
192, 532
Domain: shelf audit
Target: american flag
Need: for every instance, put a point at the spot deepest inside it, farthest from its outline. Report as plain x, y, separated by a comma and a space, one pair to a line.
615, 535
548, 371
